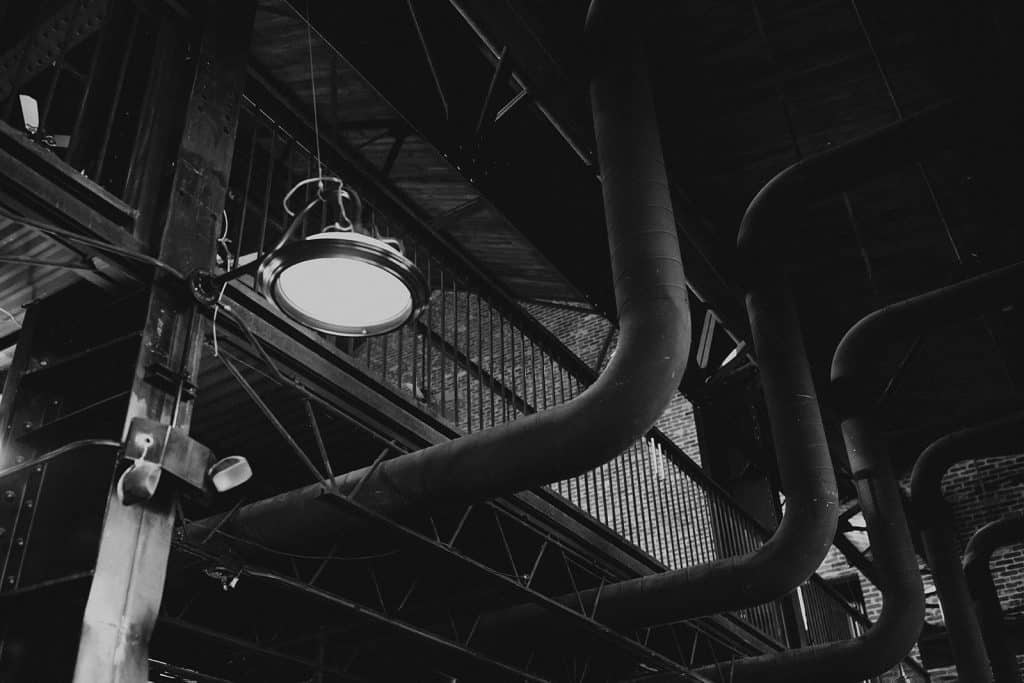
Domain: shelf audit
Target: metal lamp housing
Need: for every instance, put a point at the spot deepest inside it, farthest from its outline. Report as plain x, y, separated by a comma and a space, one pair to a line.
343, 283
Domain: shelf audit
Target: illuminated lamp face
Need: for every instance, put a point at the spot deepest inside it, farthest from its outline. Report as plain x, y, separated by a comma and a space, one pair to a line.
343, 283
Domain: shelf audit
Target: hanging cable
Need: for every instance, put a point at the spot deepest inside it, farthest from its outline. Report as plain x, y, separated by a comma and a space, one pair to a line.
271, 370
216, 309
224, 242
11, 316
312, 86
53, 230
42, 263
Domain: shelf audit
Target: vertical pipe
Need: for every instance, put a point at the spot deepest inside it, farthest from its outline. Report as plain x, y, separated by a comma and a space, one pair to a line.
902, 616
977, 558
996, 439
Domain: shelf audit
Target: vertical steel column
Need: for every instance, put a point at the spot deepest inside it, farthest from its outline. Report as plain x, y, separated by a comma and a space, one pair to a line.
135, 543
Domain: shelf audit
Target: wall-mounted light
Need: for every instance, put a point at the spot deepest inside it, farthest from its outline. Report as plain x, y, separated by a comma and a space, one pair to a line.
345, 280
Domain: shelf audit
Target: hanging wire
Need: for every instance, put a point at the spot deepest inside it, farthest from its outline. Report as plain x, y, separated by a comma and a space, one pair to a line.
216, 309
312, 86
94, 243
271, 370
224, 242
891, 92
10, 315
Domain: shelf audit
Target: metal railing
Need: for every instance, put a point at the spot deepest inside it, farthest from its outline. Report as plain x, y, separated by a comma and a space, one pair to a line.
671, 511
74, 81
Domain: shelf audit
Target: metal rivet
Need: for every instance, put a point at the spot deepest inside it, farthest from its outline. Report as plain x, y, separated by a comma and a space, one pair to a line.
10, 495
29, 503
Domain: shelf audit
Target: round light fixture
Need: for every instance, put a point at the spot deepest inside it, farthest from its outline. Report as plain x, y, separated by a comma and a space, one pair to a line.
341, 281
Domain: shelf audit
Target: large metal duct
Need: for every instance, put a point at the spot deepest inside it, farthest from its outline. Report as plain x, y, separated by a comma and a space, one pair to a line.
935, 522
808, 526
977, 557
855, 384
898, 625
598, 425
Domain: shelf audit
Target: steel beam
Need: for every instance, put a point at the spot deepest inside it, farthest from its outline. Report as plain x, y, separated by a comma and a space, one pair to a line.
135, 541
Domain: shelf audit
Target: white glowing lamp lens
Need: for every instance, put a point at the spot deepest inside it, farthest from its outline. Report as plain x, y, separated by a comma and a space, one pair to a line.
343, 283
345, 293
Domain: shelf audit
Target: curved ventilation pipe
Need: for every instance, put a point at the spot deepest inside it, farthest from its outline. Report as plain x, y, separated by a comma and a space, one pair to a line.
934, 516
805, 534
595, 427
856, 384
977, 555
809, 523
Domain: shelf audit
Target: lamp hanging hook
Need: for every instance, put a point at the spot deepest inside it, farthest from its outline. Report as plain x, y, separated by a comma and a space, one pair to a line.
321, 183
345, 223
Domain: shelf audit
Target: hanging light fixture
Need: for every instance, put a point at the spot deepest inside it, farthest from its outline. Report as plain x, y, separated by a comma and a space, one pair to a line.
346, 280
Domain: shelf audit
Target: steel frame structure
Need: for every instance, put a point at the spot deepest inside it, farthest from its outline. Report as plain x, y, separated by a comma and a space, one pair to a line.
172, 338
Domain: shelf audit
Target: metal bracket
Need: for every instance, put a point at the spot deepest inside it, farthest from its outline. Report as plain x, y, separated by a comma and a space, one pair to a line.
164, 378
155, 448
